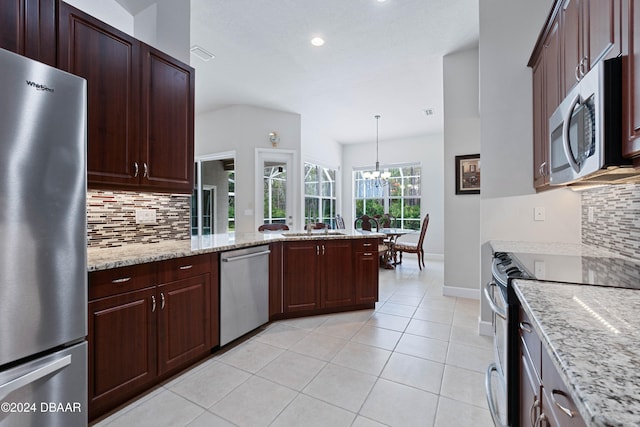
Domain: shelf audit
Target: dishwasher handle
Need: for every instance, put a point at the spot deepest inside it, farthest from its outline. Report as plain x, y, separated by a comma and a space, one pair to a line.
240, 257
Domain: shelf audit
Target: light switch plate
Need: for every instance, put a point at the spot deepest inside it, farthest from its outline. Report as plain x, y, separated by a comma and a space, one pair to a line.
145, 216
539, 214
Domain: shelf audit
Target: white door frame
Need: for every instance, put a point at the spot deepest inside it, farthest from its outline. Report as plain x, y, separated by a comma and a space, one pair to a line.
287, 157
199, 160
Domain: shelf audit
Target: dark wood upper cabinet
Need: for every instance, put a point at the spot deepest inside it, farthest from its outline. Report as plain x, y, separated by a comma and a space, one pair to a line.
109, 60
591, 33
546, 96
28, 28
572, 56
167, 121
140, 106
631, 78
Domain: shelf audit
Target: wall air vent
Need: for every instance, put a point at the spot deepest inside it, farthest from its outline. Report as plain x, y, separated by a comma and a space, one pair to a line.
201, 53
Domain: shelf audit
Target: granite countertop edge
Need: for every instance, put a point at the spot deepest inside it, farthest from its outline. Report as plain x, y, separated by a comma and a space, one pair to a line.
140, 253
591, 405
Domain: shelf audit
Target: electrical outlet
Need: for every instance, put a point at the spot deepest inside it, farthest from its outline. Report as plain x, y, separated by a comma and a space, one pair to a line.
539, 214
145, 216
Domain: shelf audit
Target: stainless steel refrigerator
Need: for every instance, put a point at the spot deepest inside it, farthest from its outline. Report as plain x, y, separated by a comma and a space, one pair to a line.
43, 274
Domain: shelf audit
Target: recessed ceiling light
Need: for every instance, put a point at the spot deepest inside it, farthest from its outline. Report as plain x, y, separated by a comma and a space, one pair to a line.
317, 41
381, 1
201, 53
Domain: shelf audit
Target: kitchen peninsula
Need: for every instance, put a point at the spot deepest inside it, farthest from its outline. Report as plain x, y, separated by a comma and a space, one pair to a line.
154, 309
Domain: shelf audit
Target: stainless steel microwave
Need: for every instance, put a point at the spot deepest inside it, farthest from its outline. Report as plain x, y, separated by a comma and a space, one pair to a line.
585, 131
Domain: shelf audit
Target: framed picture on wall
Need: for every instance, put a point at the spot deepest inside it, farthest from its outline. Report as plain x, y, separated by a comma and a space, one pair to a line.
468, 174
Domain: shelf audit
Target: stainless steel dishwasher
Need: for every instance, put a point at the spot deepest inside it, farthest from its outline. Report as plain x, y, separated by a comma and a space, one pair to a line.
244, 291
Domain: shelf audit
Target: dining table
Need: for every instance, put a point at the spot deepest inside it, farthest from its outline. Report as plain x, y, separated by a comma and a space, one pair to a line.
391, 236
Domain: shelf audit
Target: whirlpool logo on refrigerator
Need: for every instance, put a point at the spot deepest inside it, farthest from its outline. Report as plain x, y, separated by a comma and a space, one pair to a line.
39, 86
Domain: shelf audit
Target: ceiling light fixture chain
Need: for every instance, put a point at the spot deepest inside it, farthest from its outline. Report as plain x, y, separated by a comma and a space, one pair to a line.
379, 177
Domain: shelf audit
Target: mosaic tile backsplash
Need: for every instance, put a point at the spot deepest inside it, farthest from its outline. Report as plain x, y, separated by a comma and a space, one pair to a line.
616, 218
111, 218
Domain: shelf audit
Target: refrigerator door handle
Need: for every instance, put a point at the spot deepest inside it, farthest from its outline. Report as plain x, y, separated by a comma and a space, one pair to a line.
34, 376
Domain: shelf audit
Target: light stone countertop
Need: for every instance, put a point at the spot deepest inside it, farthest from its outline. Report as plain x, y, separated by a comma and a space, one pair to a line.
593, 336
131, 254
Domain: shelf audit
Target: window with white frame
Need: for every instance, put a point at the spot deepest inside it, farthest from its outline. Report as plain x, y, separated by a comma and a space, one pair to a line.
399, 196
319, 194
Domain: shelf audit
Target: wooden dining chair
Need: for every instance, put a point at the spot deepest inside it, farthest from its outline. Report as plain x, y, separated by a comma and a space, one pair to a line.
414, 248
273, 227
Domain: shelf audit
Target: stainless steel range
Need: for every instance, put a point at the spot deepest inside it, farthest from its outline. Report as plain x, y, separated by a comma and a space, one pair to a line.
502, 372
502, 378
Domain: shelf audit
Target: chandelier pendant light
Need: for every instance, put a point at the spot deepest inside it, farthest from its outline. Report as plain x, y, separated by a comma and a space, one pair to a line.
379, 177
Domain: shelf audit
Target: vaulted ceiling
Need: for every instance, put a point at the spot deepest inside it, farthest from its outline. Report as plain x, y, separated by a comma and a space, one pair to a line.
378, 58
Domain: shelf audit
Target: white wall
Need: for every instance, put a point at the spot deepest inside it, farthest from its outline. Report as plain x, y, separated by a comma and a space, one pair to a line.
108, 11
461, 137
166, 25
428, 151
242, 129
318, 148
508, 32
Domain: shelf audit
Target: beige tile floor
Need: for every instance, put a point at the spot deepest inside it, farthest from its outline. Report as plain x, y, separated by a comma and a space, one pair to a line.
416, 360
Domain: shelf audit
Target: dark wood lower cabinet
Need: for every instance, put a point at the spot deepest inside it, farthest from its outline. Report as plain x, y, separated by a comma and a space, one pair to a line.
122, 348
184, 323
544, 398
139, 337
327, 275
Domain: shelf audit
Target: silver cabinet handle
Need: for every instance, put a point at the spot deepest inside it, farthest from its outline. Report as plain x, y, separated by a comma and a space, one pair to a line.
533, 413
489, 393
366, 245
317, 249
526, 326
186, 267
33, 376
137, 169
542, 418
239, 257
543, 169
153, 303
492, 303
368, 254
121, 280
568, 412
162, 299
583, 66
322, 249
577, 72
146, 170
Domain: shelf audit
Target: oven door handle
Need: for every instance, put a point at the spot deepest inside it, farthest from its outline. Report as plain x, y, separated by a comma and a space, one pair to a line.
501, 312
489, 393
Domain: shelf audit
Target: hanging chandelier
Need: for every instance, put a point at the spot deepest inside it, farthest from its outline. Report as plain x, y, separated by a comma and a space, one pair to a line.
379, 177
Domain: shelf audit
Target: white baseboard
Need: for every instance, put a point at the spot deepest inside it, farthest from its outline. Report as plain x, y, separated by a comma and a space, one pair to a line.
435, 257
485, 328
452, 291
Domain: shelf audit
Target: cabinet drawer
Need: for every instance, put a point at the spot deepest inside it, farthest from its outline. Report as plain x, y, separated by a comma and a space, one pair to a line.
118, 280
365, 245
530, 340
182, 268
561, 406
